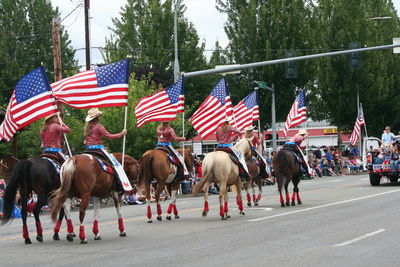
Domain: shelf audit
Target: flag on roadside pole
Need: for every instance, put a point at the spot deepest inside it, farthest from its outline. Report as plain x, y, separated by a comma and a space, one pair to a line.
247, 111
355, 135
32, 99
213, 111
297, 114
163, 105
105, 86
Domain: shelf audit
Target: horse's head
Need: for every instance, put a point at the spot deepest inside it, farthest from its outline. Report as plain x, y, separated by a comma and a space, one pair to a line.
188, 157
244, 146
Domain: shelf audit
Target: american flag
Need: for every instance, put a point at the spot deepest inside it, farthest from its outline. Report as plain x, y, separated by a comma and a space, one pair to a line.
247, 111
163, 105
213, 110
31, 100
355, 135
105, 86
297, 114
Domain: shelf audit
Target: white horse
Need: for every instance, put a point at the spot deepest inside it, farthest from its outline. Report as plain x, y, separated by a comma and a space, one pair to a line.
219, 168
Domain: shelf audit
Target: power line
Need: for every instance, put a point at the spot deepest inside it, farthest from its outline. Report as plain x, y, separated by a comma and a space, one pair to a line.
79, 5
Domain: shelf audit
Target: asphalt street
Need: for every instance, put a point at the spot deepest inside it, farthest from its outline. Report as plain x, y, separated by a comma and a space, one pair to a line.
343, 222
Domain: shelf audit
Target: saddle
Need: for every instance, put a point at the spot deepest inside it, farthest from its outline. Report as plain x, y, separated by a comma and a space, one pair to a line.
295, 152
172, 159
231, 155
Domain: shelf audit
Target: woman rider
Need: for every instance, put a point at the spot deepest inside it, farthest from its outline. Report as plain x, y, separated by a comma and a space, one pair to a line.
256, 141
51, 133
294, 143
94, 132
166, 134
226, 134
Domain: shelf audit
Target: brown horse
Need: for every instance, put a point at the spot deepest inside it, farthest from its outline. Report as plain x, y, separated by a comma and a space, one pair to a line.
219, 168
253, 180
155, 164
82, 176
287, 168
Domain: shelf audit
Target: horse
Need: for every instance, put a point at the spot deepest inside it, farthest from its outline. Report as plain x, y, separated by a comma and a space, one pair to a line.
253, 180
82, 176
155, 164
219, 168
39, 175
287, 168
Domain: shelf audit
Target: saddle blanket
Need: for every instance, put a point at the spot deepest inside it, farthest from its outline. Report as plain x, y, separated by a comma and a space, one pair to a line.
55, 165
105, 167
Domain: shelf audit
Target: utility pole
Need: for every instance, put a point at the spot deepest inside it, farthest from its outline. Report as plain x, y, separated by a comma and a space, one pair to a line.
176, 61
87, 34
57, 49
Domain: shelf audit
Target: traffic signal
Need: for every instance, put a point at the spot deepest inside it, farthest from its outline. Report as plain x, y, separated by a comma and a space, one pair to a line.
355, 58
268, 137
291, 67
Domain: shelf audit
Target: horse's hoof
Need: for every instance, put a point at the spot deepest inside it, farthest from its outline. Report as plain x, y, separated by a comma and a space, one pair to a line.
299, 202
159, 218
241, 213
84, 241
149, 221
70, 237
223, 218
287, 204
283, 205
123, 234
28, 241
177, 217
39, 238
228, 216
204, 214
293, 204
56, 237
97, 237
168, 218
256, 204
73, 235
249, 204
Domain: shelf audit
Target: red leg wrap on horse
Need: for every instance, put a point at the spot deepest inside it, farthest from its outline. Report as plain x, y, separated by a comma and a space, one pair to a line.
248, 197
287, 197
159, 210
254, 198
175, 210
237, 200
148, 212
281, 199
206, 206
58, 226
70, 226
170, 207
259, 196
226, 207
121, 226
39, 228
95, 227
25, 232
293, 196
240, 205
221, 211
82, 235
298, 197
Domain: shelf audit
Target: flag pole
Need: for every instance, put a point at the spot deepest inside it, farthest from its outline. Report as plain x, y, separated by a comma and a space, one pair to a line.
65, 136
124, 140
365, 125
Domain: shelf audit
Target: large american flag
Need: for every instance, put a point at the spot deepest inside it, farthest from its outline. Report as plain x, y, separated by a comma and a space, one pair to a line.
105, 86
213, 111
355, 135
163, 105
31, 100
297, 114
247, 111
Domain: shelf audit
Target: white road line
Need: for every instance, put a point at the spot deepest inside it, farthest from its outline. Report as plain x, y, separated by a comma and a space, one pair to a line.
323, 206
335, 181
360, 238
306, 183
364, 179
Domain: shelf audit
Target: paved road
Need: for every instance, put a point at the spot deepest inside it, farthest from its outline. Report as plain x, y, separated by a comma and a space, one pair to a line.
343, 222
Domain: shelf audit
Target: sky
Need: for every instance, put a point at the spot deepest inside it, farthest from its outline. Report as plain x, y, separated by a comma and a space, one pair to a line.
207, 20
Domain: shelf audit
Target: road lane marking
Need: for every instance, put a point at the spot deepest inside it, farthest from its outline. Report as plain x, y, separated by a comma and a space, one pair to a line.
323, 206
364, 179
335, 181
360, 238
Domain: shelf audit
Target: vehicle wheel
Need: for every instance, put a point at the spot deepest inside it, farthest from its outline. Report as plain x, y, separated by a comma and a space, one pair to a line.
394, 178
374, 179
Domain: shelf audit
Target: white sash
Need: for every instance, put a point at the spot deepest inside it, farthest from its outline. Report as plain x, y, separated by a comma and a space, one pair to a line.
240, 157
120, 171
181, 160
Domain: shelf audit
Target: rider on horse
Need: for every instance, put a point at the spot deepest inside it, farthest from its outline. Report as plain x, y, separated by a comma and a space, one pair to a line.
94, 131
294, 144
165, 134
225, 135
51, 134
256, 141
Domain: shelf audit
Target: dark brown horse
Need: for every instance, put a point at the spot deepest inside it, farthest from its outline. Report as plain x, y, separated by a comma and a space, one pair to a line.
287, 168
253, 181
40, 176
82, 177
156, 165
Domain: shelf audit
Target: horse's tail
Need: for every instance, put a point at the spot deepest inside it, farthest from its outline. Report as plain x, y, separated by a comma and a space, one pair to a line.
67, 173
21, 171
144, 169
281, 173
207, 176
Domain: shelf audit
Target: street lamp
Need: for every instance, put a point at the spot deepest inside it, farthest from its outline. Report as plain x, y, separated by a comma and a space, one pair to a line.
176, 62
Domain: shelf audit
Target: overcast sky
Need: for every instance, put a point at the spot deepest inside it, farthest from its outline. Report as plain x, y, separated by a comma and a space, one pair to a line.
207, 20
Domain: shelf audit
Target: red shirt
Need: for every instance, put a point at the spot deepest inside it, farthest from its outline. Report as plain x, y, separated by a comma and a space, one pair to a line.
98, 131
255, 141
52, 136
298, 139
226, 137
168, 134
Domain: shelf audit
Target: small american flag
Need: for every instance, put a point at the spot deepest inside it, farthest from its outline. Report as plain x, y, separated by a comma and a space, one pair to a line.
163, 105
247, 111
297, 114
31, 100
355, 135
213, 110
106, 86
